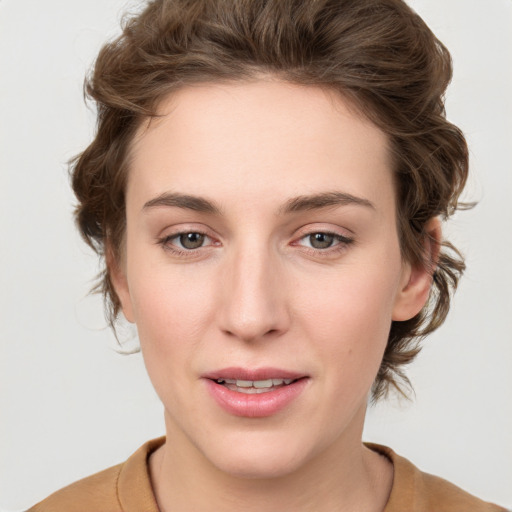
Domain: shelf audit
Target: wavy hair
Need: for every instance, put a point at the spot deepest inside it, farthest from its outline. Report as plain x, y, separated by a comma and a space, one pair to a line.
377, 53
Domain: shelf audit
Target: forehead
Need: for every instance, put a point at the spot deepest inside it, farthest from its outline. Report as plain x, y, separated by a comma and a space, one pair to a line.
252, 139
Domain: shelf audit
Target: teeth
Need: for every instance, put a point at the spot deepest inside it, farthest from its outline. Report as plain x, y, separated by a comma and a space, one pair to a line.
254, 384
258, 384
245, 383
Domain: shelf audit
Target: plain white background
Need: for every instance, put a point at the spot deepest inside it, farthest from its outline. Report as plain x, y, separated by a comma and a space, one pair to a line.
70, 405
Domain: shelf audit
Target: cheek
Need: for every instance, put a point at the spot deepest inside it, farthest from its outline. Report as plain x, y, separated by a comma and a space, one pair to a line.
171, 313
172, 309
350, 317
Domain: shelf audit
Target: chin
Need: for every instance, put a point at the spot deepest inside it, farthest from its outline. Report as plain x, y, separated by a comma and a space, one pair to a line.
268, 457
258, 467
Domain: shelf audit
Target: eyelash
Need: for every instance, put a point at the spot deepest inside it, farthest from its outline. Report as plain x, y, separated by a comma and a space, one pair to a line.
342, 243
165, 242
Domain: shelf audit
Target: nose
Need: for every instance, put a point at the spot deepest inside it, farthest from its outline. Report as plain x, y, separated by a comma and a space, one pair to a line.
253, 304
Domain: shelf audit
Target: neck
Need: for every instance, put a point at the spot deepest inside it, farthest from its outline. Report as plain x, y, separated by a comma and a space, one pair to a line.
345, 476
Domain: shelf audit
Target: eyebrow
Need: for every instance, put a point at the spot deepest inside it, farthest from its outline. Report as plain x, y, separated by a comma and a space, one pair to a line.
324, 200
295, 204
196, 203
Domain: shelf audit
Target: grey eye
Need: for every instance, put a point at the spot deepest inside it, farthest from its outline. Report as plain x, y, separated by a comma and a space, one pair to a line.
191, 240
321, 240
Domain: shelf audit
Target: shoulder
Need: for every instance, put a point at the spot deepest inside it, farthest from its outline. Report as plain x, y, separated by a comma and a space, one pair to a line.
96, 492
126, 486
442, 495
416, 491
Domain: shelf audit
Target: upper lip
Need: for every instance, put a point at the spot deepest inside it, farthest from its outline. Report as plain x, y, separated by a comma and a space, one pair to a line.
238, 373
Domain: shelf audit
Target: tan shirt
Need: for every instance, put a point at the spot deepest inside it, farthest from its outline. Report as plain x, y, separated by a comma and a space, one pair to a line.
127, 488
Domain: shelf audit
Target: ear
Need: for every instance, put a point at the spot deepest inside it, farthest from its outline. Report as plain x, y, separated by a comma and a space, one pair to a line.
117, 273
416, 279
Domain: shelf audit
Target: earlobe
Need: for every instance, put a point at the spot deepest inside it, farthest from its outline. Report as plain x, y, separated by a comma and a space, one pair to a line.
417, 279
120, 283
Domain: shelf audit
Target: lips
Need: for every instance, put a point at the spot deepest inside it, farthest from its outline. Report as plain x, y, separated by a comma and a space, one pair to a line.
254, 393
254, 386
238, 373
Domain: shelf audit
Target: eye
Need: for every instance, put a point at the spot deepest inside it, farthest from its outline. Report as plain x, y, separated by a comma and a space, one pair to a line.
324, 240
320, 240
191, 240
186, 241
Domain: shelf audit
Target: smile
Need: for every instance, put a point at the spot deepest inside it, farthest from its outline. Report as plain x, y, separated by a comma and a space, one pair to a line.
255, 393
254, 386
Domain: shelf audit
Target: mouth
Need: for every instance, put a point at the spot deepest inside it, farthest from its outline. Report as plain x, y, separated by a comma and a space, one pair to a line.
255, 393
254, 387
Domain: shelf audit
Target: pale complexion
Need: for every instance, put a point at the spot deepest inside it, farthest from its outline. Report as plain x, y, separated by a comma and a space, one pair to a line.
292, 262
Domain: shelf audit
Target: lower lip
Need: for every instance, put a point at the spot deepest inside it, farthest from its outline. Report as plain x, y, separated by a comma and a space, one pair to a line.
258, 405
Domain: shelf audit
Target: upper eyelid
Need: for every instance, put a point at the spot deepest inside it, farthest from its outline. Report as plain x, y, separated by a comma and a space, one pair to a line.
323, 231
342, 239
173, 236
172, 231
300, 233
308, 229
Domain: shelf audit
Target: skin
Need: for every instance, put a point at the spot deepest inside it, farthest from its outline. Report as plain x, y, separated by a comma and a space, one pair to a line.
257, 293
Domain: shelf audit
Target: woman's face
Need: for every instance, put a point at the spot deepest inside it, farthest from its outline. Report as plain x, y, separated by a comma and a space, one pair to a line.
262, 269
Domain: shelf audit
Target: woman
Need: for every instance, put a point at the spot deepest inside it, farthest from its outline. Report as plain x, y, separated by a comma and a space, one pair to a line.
266, 186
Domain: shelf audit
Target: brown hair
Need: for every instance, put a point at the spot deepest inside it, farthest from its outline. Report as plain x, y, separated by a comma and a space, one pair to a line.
378, 53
